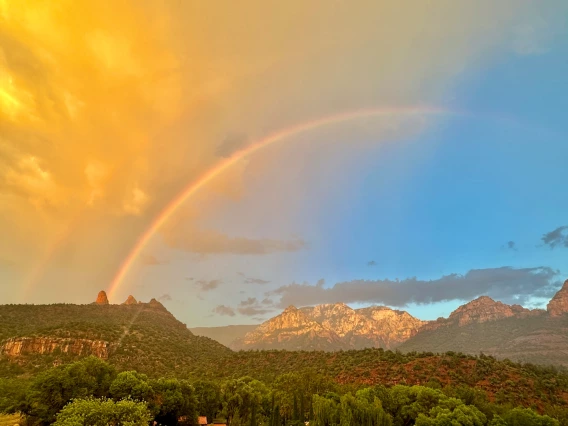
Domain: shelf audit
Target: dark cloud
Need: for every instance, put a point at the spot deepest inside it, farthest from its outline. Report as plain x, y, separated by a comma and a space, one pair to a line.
267, 301
556, 238
249, 302
231, 144
250, 311
165, 298
205, 285
505, 283
371, 263
511, 245
224, 310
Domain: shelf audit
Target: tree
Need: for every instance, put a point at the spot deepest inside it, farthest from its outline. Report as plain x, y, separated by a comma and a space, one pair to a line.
527, 417
103, 412
133, 385
450, 412
208, 396
53, 389
174, 399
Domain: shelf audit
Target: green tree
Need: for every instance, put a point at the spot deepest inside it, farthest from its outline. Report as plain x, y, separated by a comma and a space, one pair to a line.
51, 390
527, 417
133, 385
103, 412
208, 396
452, 412
174, 399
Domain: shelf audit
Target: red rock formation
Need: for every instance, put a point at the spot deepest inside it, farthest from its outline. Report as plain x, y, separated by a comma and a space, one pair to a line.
102, 298
130, 301
46, 345
292, 330
558, 306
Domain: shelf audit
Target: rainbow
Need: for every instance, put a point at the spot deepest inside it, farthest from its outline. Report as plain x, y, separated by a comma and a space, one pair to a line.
223, 165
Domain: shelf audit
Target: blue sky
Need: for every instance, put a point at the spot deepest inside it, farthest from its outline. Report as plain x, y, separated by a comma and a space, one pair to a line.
448, 200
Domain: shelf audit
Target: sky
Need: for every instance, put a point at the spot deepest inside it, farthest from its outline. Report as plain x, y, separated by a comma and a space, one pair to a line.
232, 159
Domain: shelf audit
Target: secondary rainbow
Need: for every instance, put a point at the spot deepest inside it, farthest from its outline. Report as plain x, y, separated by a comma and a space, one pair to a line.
280, 135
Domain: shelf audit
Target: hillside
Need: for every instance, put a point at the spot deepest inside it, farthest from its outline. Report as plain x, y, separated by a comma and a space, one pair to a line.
540, 340
503, 381
225, 335
484, 325
144, 336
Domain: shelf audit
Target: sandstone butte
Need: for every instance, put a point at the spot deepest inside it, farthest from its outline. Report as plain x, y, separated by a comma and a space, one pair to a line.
102, 298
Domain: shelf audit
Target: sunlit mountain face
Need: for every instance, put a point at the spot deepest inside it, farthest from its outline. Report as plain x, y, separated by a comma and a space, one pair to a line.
232, 159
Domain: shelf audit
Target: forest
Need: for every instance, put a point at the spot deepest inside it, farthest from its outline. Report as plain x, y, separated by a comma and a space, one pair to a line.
94, 392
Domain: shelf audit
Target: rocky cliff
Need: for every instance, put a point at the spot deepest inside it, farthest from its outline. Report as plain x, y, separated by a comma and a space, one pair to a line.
18, 346
558, 306
332, 327
481, 310
292, 330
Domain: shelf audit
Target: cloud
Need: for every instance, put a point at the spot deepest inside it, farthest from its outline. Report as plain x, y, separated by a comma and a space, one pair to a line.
165, 298
511, 245
205, 285
250, 280
215, 242
224, 310
556, 238
371, 263
231, 144
508, 284
249, 302
267, 301
251, 311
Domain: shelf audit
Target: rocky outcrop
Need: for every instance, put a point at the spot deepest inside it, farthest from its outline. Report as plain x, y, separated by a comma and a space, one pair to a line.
102, 298
332, 327
481, 310
292, 330
130, 301
18, 346
376, 326
558, 306
484, 309
392, 325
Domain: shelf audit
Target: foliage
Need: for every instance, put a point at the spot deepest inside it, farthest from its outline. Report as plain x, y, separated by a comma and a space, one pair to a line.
103, 412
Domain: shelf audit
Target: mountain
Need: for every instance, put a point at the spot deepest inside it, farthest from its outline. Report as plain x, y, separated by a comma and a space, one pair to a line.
144, 336
558, 306
332, 327
504, 331
225, 335
291, 330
